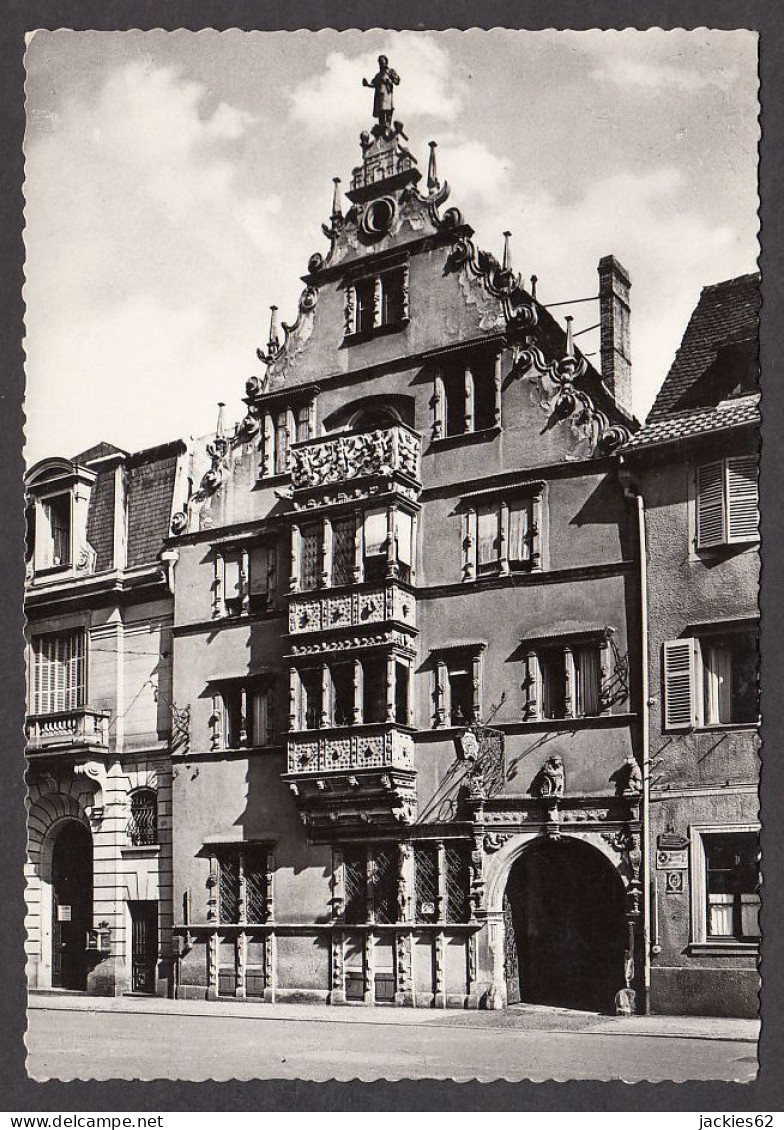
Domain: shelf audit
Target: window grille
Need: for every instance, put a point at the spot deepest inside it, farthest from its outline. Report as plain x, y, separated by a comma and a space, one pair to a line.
456, 884
385, 885
310, 556
143, 824
342, 551
229, 889
256, 887
355, 886
425, 882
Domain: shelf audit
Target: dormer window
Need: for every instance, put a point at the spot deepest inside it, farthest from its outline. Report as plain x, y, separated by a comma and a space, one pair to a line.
377, 302
54, 538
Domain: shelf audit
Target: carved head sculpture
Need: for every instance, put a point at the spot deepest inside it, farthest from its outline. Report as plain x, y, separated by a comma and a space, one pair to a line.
469, 747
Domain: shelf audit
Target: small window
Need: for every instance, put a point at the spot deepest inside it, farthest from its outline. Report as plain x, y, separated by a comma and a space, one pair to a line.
233, 583
711, 680
263, 571
311, 544
310, 681
375, 545
229, 888
467, 396
283, 439
342, 694
374, 689
499, 537
728, 502
355, 884
365, 303
732, 885
243, 882
143, 823
242, 714
564, 681
56, 539
461, 693
343, 550
552, 664
392, 297
259, 722
303, 423
402, 677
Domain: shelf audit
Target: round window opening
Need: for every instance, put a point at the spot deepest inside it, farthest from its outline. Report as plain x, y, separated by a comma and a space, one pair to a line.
378, 216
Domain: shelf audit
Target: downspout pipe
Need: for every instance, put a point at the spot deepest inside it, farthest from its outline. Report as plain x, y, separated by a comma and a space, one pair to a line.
632, 491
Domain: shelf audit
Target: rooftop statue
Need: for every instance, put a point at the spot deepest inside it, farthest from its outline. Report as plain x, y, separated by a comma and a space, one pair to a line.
383, 84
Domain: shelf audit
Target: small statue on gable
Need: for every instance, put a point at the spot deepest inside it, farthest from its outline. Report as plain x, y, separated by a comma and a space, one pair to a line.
384, 84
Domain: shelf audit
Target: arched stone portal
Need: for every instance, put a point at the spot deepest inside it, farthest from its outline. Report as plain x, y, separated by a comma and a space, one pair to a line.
565, 926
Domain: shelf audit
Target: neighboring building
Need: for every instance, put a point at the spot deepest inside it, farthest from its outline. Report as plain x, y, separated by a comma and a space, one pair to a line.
100, 718
695, 466
407, 629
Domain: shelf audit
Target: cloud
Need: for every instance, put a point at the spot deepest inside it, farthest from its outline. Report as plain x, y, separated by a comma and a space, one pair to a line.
470, 164
430, 87
629, 71
144, 258
646, 220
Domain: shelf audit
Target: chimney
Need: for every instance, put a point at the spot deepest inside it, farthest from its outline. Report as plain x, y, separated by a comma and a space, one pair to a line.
614, 287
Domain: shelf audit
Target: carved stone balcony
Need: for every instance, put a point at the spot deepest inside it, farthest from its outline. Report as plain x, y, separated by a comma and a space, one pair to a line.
354, 776
379, 604
68, 730
331, 461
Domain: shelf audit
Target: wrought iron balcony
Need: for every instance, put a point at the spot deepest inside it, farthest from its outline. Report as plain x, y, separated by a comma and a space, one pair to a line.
362, 775
379, 604
337, 459
68, 729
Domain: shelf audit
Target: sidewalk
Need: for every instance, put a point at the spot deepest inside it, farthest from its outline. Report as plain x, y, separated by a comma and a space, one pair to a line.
525, 1017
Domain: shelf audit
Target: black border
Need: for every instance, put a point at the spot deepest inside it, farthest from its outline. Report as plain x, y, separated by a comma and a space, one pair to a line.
19, 1093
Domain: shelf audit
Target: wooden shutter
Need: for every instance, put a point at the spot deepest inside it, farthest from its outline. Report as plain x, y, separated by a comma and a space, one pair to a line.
710, 505
742, 499
679, 684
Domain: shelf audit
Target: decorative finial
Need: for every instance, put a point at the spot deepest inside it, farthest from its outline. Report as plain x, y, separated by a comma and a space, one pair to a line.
219, 425
534, 281
274, 343
433, 183
383, 84
569, 339
337, 213
506, 263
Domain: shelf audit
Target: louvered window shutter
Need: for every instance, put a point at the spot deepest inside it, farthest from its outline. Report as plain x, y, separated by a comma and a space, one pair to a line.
679, 688
710, 505
742, 499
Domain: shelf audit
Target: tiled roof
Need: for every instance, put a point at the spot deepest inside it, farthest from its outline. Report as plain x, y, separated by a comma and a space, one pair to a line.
698, 421
150, 486
727, 312
98, 451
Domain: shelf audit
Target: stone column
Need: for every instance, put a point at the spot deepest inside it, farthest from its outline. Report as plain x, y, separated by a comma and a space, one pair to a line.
296, 550
438, 428
497, 390
569, 698
377, 302
391, 687
469, 544
218, 607
359, 534
326, 553
392, 569
469, 399
351, 311
245, 579
326, 703
441, 678
503, 539
293, 698
476, 684
358, 693
532, 710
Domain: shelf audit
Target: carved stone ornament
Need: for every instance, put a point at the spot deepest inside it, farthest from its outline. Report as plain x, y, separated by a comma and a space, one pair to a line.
570, 401
520, 314
551, 778
352, 456
494, 841
628, 779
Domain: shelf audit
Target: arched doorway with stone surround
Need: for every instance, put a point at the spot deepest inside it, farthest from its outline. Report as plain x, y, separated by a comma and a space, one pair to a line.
559, 927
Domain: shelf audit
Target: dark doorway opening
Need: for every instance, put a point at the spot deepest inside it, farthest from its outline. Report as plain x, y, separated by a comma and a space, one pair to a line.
564, 903
72, 905
144, 945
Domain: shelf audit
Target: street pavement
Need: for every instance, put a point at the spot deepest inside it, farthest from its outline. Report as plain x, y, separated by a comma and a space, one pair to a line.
77, 1037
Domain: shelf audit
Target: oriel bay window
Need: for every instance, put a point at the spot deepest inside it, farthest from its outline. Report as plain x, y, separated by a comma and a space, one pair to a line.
368, 546
242, 713
364, 690
565, 678
712, 679
501, 532
466, 394
457, 689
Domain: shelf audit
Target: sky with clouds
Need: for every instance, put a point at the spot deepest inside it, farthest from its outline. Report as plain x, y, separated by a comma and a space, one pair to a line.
176, 184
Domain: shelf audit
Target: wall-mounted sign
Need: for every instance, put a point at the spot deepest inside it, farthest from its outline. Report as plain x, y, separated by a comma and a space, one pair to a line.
674, 882
671, 841
428, 908
63, 914
671, 859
